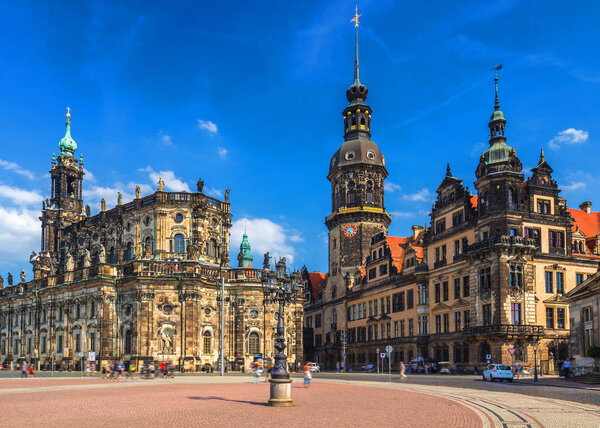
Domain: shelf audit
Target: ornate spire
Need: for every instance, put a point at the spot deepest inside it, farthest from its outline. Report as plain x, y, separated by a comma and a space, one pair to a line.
497, 101
542, 156
497, 120
245, 255
67, 144
448, 172
357, 92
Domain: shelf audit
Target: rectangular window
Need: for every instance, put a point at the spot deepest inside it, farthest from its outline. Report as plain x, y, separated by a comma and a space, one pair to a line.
423, 325
309, 322
466, 287
29, 349
457, 288
402, 328
456, 247
548, 282
556, 239
487, 314
560, 317
383, 270
465, 245
396, 329
485, 278
77, 342
543, 206
388, 301
59, 344
411, 327
443, 252
44, 345
515, 313
587, 314
382, 305
446, 291
446, 321
372, 273
457, 218
560, 282
409, 299
398, 302
375, 308
549, 317
318, 321
438, 292
371, 308
369, 198
457, 321
467, 318
437, 254
440, 226
438, 324
578, 278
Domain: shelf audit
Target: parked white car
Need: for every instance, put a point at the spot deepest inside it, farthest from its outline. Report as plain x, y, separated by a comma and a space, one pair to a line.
498, 372
314, 367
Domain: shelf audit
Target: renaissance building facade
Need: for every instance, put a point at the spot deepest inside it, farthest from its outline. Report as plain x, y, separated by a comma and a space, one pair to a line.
487, 276
144, 281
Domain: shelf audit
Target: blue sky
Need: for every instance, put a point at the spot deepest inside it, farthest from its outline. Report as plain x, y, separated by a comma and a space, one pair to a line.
249, 95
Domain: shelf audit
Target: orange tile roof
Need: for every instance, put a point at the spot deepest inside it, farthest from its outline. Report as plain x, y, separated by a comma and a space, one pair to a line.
316, 279
589, 224
398, 246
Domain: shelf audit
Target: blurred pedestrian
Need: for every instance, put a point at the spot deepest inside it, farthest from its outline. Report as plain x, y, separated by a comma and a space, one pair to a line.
307, 374
31, 370
402, 370
23, 369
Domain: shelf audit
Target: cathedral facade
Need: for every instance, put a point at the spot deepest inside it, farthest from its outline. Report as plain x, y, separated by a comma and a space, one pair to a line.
145, 281
485, 281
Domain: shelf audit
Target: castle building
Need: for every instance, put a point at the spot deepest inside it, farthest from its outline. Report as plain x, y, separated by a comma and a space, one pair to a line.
487, 276
139, 282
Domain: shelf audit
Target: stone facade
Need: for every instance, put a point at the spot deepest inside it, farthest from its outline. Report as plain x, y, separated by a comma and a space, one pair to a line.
487, 276
138, 282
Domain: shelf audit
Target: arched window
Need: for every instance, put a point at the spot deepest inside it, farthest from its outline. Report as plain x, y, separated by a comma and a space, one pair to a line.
253, 343
127, 342
148, 244
512, 198
483, 204
212, 248
207, 342
129, 252
179, 244
112, 257
362, 121
484, 350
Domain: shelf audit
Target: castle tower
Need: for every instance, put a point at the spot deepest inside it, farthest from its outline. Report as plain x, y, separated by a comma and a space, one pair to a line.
357, 173
65, 205
498, 175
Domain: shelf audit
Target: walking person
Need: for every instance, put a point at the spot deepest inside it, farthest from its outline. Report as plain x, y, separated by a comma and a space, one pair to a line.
31, 370
402, 370
307, 375
566, 368
23, 369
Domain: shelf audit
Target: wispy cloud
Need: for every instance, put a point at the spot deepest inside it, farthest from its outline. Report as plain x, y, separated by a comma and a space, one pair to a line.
574, 185
166, 139
391, 187
16, 168
19, 232
403, 214
420, 196
211, 191
209, 126
568, 136
222, 152
19, 196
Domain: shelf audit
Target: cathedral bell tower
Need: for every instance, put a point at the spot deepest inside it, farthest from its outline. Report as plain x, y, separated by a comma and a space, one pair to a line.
65, 205
357, 173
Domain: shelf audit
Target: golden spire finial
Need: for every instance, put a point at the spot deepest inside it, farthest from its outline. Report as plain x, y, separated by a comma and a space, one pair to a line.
356, 16
68, 112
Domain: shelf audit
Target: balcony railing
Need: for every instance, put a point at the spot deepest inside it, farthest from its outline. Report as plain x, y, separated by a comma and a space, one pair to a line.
501, 240
505, 329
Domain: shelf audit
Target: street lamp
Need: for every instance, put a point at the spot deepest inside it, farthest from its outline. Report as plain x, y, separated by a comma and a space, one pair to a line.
535, 348
281, 289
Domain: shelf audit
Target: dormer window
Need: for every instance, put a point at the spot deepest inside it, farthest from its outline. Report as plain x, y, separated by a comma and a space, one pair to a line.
544, 206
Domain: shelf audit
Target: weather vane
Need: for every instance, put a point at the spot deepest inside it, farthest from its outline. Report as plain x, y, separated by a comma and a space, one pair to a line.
356, 16
68, 111
496, 68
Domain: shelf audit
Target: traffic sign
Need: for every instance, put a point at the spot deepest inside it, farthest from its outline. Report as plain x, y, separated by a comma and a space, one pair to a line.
382, 355
389, 349
92, 356
511, 351
488, 357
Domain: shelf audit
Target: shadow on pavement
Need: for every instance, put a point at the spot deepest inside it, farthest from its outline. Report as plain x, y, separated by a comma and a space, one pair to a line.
255, 403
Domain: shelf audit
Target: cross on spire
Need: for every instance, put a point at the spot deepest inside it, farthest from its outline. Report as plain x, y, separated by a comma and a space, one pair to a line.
497, 101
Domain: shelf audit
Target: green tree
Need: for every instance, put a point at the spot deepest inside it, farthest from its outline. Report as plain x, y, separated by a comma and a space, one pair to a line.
594, 351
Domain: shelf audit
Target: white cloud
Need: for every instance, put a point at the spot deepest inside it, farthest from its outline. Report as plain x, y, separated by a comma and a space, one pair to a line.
391, 187
264, 236
20, 196
211, 191
94, 194
574, 185
209, 126
222, 152
19, 234
569, 136
402, 214
89, 177
421, 196
166, 139
13, 166
172, 183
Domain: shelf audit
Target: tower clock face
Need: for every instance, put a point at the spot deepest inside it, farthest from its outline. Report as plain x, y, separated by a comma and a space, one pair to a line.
350, 230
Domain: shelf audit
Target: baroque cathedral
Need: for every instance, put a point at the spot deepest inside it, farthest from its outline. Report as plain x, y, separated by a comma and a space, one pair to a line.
145, 281
484, 282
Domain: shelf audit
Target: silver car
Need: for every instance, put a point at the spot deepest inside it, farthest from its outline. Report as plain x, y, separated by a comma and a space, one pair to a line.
498, 372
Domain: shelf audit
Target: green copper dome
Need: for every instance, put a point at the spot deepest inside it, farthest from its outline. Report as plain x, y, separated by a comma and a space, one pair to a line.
67, 144
499, 151
497, 115
245, 255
